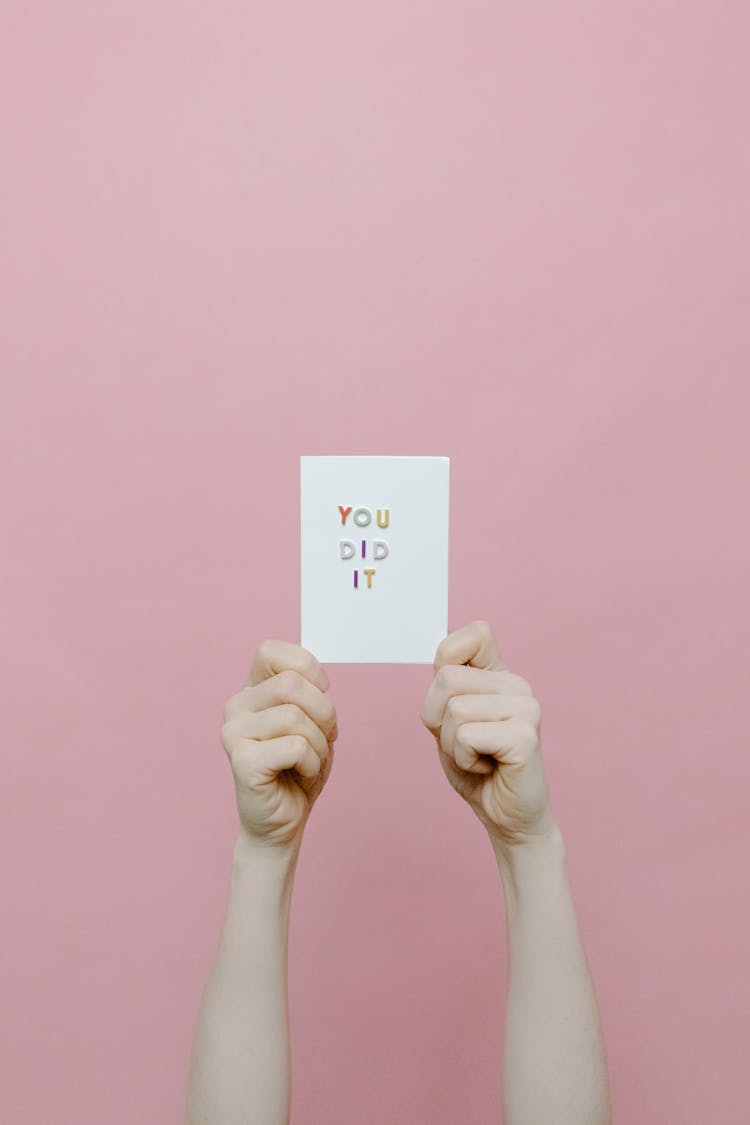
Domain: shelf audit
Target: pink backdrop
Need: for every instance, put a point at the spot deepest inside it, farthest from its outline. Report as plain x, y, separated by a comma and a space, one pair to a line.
514, 235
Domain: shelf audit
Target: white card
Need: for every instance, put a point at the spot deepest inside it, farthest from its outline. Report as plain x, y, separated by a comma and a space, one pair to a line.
397, 529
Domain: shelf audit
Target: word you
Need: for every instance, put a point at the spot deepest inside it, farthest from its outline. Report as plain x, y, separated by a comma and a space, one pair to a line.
362, 517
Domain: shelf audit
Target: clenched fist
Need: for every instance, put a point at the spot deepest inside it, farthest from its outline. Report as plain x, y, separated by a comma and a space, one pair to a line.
278, 733
486, 724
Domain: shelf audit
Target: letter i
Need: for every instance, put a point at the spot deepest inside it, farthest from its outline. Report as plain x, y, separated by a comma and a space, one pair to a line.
356, 581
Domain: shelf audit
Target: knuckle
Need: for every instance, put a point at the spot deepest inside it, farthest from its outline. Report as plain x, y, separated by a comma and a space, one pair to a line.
442, 647
316, 765
292, 714
461, 751
445, 677
459, 740
482, 627
287, 682
527, 738
299, 744
454, 707
227, 735
230, 707
308, 663
535, 710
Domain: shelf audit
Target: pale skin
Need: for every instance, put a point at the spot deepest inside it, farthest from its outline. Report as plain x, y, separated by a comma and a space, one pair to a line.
279, 735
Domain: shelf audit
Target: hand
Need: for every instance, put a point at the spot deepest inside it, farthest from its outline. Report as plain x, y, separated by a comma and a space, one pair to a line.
486, 723
278, 733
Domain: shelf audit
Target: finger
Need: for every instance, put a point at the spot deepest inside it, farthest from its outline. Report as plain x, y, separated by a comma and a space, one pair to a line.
465, 757
288, 752
288, 686
486, 708
274, 722
273, 656
509, 743
473, 644
459, 679
327, 765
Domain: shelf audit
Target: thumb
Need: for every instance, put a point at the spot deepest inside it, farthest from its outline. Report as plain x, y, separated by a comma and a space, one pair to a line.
473, 644
289, 751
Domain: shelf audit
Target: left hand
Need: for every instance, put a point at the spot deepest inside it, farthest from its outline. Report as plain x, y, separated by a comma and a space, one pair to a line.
486, 722
278, 734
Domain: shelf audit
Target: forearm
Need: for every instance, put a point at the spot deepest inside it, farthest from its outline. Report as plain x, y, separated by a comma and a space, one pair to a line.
240, 1069
555, 1064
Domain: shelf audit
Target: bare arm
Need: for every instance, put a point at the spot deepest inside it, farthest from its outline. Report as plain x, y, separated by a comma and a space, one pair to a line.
278, 734
240, 1067
486, 723
555, 1066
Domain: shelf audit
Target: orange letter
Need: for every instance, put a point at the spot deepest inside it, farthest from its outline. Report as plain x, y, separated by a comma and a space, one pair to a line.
344, 513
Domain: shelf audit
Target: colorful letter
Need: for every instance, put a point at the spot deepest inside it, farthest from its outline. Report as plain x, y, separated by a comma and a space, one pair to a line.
369, 574
387, 517
379, 549
362, 512
346, 548
344, 513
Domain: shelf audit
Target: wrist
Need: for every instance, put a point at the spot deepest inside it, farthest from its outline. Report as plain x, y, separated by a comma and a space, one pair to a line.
530, 858
259, 900
270, 863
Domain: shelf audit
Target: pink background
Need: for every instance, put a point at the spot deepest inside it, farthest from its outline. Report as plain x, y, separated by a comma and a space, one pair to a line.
513, 235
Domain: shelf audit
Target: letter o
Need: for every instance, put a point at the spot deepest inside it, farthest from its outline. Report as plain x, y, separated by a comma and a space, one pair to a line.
362, 512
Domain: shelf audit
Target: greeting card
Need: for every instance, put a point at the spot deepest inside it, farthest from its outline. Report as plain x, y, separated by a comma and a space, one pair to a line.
374, 562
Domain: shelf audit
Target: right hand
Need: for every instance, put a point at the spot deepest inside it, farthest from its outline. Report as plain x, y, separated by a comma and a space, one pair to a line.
278, 733
486, 723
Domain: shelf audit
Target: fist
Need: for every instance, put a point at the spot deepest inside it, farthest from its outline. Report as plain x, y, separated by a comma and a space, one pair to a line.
278, 734
486, 724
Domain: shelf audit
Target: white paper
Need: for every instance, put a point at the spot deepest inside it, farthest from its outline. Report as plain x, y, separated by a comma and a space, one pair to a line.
402, 615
